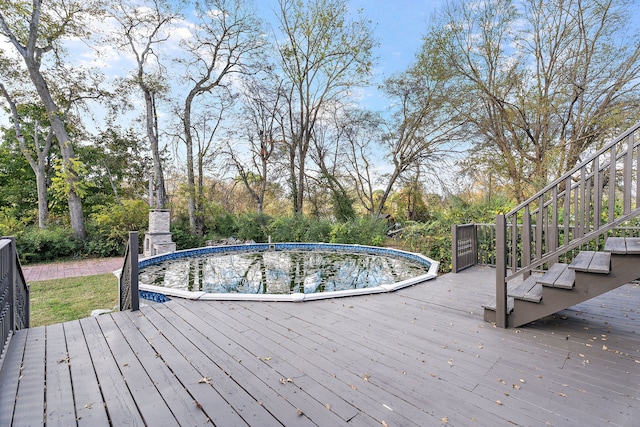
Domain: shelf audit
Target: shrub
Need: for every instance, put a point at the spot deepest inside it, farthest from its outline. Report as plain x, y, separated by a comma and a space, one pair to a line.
111, 225
252, 226
362, 231
39, 245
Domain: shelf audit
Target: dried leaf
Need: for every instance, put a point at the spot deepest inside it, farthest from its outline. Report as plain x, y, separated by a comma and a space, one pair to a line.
499, 402
501, 381
445, 420
384, 424
562, 394
204, 380
353, 387
366, 377
300, 412
516, 386
604, 347
522, 381
266, 359
326, 405
88, 405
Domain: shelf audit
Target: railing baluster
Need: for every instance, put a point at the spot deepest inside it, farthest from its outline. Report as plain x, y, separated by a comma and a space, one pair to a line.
628, 173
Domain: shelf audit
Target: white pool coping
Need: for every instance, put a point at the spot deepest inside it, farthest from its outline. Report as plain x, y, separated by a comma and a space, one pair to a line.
295, 297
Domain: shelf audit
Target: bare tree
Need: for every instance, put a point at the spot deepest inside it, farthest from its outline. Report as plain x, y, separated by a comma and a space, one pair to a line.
323, 55
225, 41
262, 112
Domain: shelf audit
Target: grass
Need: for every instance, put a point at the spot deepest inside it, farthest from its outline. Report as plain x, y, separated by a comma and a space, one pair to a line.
60, 300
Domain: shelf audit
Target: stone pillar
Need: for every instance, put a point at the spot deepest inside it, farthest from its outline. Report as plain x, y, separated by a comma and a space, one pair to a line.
158, 240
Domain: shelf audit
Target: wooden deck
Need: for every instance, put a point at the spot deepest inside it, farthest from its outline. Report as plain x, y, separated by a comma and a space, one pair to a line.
418, 357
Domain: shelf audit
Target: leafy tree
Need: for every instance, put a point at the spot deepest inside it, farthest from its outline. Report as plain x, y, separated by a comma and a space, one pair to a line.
538, 83
144, 26
36, 33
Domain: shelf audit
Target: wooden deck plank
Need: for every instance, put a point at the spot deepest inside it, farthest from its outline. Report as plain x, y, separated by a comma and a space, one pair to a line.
249, 353
151, 404
252, 397
179, 400
414, 377
582, 260
9, 376
191, 364
413, 357
60, 408
29, 409
292, 363
114, 396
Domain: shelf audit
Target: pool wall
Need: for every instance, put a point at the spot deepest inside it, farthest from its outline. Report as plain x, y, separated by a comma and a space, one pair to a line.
295, 297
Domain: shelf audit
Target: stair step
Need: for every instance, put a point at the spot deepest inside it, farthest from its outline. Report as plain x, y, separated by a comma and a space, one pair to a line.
528, 290
558, 276
623, 245
491, 305
615, 245
592, 262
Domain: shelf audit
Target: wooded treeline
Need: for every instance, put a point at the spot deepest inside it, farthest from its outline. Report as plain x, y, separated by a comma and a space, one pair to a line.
114, 107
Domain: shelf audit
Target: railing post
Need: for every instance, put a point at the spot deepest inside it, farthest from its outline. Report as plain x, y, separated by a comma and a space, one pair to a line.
454, 248
501, 271
129, 299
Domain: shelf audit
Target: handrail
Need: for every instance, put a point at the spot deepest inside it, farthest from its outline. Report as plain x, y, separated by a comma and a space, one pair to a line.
14, 294
575, 211
128, 296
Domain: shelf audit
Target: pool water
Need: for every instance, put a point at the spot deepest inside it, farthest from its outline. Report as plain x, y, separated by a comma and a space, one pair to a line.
280, 272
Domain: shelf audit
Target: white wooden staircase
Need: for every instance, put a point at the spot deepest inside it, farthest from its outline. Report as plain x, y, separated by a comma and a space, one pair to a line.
563, 285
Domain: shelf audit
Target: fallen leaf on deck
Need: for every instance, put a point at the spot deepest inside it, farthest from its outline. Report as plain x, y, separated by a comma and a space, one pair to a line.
445, 420
384, 424
562, 394
353, 387
499, 402
522, 381
204, 380
327, 406
300, 412
266, 358
516, 386
366, 377
88, 405
604, 347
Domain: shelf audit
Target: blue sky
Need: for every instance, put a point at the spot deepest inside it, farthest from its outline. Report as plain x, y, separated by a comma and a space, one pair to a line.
399, 27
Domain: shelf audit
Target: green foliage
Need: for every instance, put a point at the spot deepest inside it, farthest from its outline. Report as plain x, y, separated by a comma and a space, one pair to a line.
39, 245
299, 228
252, 226
362, 231
181, 235
9, 224
111, 225
62, 182
224, 225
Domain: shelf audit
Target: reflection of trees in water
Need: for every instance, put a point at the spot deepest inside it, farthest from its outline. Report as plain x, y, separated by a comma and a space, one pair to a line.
281, 272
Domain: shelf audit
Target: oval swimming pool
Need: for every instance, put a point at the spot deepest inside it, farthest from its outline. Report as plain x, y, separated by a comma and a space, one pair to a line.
283, 271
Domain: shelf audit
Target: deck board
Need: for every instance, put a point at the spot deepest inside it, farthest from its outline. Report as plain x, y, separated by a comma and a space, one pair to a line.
418, 356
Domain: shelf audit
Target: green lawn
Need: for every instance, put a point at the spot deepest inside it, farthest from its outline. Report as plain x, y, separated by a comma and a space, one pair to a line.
60, 300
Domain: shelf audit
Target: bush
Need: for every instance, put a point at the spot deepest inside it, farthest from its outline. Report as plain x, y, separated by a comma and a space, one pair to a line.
182, 236
252, 226
362, 231
111, 224
40, 245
